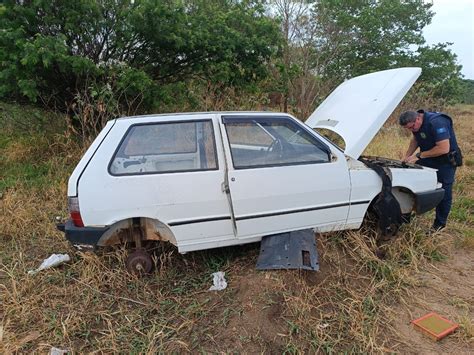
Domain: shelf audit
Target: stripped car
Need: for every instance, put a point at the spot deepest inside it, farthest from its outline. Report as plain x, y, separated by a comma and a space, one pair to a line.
214, 179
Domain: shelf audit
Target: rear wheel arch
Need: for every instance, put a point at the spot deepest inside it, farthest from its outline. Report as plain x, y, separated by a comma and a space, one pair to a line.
148, 228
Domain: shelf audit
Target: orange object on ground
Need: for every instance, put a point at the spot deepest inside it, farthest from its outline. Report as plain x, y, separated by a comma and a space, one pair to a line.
435, 326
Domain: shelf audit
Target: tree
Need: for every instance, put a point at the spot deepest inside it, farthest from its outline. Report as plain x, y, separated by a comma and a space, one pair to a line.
467, 92
288, 66
333, 40
370, 35
126, 52
441, 73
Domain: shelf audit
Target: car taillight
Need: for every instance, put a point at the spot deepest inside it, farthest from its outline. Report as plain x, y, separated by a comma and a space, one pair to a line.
74, 211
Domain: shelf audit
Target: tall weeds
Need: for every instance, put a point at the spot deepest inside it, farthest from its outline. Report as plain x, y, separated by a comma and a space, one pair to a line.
93, 305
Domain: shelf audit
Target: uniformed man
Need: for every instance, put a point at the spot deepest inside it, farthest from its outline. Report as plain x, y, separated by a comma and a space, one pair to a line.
433, 133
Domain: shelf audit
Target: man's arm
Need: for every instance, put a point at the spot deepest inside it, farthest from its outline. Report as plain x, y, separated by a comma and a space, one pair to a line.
441, 148
440, 131
411, 149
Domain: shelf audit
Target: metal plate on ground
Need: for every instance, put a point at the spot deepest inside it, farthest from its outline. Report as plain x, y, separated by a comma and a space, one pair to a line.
292, 250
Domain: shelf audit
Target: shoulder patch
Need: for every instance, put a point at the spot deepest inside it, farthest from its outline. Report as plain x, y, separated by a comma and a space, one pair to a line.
441, 130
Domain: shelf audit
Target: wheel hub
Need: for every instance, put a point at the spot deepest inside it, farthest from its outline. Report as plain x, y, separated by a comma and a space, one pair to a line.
139, 262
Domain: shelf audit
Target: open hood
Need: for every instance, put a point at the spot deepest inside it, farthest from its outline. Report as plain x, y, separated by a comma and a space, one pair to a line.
359, 107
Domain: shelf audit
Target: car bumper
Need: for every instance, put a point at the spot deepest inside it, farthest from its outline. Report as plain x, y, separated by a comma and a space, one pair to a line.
82, 237
428, 200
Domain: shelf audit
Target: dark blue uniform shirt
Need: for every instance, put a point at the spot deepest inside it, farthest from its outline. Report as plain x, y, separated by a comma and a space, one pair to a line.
436, 127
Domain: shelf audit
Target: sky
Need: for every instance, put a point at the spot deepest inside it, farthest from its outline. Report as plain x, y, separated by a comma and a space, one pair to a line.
454, 22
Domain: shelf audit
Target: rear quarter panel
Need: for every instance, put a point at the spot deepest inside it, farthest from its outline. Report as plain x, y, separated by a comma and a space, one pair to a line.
105, 199
76, 174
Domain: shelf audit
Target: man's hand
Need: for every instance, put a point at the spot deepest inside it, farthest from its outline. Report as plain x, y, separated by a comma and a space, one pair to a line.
412, 159
411, 150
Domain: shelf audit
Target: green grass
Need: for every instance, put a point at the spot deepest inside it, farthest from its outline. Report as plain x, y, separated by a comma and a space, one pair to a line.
462, 209
25, 119
469, 162
33, 148
29, 174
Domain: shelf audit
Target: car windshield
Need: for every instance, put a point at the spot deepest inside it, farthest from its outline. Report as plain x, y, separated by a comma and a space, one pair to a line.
332, 137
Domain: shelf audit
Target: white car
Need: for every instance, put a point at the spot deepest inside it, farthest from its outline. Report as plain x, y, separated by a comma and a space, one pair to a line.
214, 179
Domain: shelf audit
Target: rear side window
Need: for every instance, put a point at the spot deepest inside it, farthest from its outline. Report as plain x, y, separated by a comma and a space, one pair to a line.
166, 147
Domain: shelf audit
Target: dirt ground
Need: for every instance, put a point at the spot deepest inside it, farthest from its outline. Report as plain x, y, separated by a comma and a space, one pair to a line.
446, 288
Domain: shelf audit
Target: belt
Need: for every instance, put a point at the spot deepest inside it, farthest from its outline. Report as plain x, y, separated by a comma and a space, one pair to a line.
434, 162
442, 159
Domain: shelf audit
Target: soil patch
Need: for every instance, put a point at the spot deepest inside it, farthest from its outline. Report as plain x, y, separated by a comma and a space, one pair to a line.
446, 288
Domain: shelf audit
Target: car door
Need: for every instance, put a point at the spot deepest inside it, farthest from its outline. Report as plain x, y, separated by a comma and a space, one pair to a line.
282, 177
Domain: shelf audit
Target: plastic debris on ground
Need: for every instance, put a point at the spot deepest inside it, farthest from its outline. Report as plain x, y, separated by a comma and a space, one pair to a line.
53, 261
219, 281
435, 326
56, 351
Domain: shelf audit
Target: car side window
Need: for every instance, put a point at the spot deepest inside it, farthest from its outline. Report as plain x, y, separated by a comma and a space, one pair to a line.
272, 141
166, 147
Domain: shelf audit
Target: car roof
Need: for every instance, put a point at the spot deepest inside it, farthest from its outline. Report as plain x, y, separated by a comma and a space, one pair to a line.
192, 114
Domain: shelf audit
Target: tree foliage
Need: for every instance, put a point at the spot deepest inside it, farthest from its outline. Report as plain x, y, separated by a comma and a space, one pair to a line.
441, 73
53, 49
467, 91
102, 58
334, 40
371, 35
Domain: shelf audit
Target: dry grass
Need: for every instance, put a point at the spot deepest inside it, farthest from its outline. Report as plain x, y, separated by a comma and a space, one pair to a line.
93, 305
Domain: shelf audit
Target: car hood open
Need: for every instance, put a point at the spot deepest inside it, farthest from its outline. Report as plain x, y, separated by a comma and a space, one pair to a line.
358, 108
